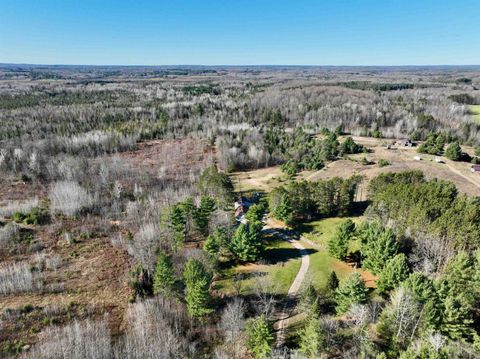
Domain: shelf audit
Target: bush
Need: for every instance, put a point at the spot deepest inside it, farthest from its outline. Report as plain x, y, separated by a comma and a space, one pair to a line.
8, 233
156, 329
69, 198
22, 207
383, 163
17, 277
462, 98
79, 340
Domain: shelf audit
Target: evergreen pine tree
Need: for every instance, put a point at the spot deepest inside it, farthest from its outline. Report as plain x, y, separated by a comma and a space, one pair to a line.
378, 246
246, 242
460, 275
352, 290
203, 212
311, 338
454, 152
259, 337
309, 300
338, 245
284, 210
197, 283
432, 315
476, 275
255, 213
456, 319
332, 281
420, 286
178, 222
217, 185
164, 276
395, 271
214, 242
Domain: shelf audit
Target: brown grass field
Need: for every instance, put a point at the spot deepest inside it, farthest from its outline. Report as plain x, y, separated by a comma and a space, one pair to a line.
400, 158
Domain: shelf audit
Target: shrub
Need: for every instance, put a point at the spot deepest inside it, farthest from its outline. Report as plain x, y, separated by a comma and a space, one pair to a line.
69, 198
8, 233
17, 277
383, 163
79, 340
23, 207
156, 330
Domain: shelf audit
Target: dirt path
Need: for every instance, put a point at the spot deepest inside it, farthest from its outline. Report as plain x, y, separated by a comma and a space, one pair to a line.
286, 313
457, 172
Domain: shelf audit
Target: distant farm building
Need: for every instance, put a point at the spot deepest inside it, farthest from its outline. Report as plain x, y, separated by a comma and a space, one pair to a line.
475, 168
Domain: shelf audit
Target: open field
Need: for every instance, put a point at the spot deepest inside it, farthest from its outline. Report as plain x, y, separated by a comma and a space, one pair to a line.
400, 158
475, 112
263, 179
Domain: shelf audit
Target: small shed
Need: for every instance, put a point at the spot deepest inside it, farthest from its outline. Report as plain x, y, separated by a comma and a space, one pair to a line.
475, 168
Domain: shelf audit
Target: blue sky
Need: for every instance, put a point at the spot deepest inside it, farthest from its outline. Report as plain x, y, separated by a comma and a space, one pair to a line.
240, 32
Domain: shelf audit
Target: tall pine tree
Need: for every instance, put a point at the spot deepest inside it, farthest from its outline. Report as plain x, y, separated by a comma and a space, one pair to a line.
352, 290
311, 338
338, 245
378, 246
246, 243
395, 271
456, 319
259, 337
197, 283
164, 276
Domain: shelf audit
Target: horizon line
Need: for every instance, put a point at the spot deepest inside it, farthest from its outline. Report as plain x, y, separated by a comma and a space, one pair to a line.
232, 65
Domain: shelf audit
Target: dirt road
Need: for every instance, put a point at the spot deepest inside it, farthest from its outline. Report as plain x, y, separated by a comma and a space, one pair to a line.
285, 314
457, 172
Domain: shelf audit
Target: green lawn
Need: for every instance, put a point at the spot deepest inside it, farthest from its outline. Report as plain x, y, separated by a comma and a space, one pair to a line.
282, 262
280, 266
321, 231
475, 111
321, 263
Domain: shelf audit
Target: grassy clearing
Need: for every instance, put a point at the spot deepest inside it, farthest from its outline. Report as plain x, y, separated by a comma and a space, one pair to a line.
277, 270
263, 179
475, 112
321, 263
321, 231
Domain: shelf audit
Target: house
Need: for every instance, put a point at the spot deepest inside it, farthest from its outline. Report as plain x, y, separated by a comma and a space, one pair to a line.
475, 168
241, 207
